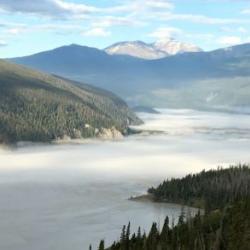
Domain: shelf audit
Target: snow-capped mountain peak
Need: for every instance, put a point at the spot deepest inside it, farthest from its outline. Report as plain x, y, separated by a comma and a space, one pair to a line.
159, 49
173, 47
136, 49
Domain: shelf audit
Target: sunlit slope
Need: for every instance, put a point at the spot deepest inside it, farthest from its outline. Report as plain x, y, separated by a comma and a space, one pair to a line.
40, 107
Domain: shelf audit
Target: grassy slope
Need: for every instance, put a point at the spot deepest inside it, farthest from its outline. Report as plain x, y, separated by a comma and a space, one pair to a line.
40, 107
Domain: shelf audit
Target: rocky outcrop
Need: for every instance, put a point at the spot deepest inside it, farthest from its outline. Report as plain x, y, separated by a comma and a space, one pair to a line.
109, 134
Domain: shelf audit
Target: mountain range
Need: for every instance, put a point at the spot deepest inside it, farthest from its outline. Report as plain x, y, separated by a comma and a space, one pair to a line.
150, 51
35, 106
214, 79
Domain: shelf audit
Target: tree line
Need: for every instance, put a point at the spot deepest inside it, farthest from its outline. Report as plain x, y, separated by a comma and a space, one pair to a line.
209, 189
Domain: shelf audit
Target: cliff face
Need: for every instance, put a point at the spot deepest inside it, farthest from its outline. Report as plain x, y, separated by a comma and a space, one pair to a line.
109, 134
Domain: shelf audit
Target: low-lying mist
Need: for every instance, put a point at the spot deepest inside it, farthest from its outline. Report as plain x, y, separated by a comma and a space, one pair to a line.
67, 196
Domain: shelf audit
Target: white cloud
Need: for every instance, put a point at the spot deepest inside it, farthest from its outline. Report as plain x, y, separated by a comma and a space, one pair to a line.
201, 19
245, 11
66, 8
109, 21
15, 30
139, 6
159, 4
97, 32
128, 13
232, 29
242, 30
52, 8
163, 33
229, 40
3, 43
163, 10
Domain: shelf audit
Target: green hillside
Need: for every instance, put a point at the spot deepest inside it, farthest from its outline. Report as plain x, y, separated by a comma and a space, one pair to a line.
40, 107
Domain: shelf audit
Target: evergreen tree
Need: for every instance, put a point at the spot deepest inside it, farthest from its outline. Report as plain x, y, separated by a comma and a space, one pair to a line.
127, 237
101, 245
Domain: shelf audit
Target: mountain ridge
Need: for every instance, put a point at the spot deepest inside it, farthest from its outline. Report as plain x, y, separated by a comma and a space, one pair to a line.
183, 80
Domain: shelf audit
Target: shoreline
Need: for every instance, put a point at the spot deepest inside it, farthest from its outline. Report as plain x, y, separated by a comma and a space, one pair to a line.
80, 141
143, 198
151, 198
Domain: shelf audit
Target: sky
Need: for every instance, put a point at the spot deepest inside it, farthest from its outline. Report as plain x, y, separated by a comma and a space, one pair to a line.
31, 26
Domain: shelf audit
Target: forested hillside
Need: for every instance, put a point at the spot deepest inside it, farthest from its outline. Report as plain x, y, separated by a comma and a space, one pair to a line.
40, 107
225, 225
208, 189
227, 229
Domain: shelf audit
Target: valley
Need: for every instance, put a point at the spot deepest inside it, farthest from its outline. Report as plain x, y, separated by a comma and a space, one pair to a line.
124, 125
59, 196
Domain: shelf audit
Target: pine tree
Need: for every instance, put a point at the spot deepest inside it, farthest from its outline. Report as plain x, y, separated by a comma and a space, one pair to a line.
127, 236
153, 237
165, 230
101, 245
139, 233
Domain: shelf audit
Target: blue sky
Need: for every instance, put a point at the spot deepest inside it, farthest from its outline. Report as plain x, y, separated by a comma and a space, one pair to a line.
30, 26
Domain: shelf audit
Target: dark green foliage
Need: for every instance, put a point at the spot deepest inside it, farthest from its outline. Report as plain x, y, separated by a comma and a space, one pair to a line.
40, 107
208, 189
101, 246
225, 228
219, 230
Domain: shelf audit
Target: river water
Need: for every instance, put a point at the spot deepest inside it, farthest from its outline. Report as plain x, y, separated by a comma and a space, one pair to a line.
64, 197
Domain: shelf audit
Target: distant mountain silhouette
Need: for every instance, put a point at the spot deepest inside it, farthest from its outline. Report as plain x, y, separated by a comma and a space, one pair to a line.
213, 77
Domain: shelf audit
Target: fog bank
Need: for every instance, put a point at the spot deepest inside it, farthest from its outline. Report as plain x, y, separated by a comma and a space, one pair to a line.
64, 197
